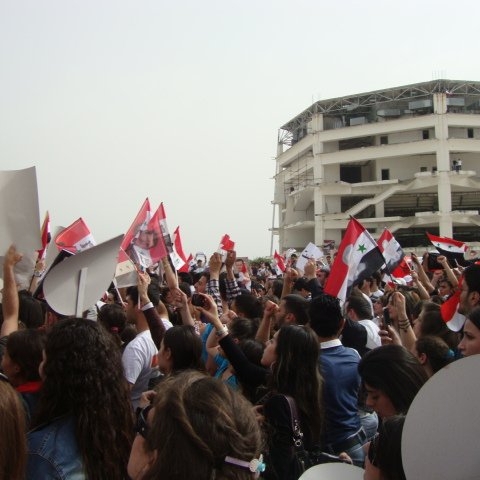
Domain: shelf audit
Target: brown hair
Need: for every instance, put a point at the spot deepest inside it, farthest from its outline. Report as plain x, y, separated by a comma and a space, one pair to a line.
13, 453
197, 422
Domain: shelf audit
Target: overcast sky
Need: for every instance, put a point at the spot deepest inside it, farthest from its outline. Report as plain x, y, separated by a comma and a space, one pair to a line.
114, 101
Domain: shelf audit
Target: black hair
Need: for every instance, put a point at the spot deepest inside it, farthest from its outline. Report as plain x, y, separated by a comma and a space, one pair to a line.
471, 277
185, 347
437, 351
325, 315
396, 372
248, 305
243, 328
30, 311
113, 318
298, 306
474, 316
360, 305
389, 448
25, 348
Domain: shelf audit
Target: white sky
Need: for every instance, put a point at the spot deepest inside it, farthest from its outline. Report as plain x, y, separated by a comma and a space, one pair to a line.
181, 101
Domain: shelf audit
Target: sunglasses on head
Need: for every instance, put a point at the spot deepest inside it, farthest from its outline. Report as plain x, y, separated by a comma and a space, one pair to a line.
142, 426
373, 450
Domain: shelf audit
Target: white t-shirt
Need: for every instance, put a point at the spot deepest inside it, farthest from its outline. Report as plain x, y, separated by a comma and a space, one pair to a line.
140, 364
373, 338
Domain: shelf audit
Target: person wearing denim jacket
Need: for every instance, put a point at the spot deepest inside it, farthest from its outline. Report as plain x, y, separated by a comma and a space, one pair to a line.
53, 452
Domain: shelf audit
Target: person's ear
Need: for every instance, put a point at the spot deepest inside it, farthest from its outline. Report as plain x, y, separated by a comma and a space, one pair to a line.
475, 297
422, 358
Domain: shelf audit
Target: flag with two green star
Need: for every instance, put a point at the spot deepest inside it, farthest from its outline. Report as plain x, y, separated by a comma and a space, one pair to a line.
357, 258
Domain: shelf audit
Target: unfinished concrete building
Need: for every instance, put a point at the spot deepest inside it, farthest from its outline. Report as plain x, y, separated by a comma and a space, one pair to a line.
405, 158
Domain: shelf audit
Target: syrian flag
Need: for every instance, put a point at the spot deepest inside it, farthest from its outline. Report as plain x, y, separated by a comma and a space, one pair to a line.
178, 258
391, 250
279, 263
140, 222
357, 258
226, 243
143, 242
125, 272
454, 250
45, 237
186, 267
75, 238
162, 218
449, 311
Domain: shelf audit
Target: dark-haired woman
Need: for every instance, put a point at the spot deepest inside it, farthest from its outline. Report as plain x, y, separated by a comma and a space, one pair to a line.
289, 368
433, 353
470, 343
384, 458
83, 424
391, 376
181, 349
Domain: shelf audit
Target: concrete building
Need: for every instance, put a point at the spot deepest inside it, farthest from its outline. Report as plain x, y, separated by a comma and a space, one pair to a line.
405, 158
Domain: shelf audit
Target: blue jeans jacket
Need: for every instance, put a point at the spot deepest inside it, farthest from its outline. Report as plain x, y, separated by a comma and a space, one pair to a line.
53, 452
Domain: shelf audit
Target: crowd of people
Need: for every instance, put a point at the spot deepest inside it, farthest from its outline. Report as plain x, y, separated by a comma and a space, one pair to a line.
193, 375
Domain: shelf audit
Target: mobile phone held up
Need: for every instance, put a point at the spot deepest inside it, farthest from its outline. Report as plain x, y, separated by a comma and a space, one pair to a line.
198, 300
386, 317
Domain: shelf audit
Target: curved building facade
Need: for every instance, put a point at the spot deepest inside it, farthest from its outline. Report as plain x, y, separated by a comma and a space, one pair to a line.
405, 158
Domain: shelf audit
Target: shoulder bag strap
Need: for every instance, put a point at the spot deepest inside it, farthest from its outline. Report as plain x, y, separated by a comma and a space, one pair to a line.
296, 429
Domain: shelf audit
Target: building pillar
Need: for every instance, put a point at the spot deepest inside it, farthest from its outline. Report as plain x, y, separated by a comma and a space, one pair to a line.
318, 180
444, 189
445, 205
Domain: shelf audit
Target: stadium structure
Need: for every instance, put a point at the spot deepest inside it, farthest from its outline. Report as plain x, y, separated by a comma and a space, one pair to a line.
403, 158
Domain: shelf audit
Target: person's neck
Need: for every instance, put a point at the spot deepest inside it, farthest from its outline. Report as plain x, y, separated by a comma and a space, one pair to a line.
141, 323
326, 339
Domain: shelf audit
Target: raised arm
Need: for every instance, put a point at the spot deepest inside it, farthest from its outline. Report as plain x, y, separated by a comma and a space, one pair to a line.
155, 324
246, 371
449, 273
37, 273
288, 280
422, 291
10, 302
171, 278
263, 332
181, 302
233, 290
213, 287
311, 276
407, 336
422, 276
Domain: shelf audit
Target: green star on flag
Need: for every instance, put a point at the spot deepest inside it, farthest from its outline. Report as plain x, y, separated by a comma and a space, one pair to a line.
362, 248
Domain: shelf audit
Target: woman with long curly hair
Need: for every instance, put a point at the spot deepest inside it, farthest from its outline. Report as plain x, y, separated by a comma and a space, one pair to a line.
196, 428
83, 425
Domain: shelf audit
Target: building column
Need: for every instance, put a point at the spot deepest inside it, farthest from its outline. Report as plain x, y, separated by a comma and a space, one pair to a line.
319, 178
444, 189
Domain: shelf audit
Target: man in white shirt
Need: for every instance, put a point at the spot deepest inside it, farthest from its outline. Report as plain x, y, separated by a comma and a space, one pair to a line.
358, 309
140, 356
